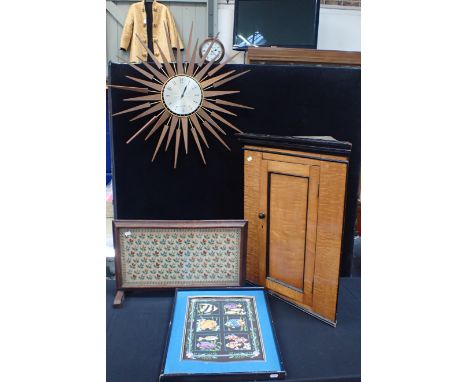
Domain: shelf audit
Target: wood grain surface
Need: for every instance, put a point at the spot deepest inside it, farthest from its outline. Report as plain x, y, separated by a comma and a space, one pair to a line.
291, 159
329, 234
311, 235
295, 156
295, 249
287, 231
297, 55
284, 290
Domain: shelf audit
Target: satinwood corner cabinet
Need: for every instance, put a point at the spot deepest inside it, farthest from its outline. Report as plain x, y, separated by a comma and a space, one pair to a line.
294, 193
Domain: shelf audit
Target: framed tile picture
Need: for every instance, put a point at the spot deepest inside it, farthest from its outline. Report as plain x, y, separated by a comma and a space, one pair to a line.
161, 254
223, 334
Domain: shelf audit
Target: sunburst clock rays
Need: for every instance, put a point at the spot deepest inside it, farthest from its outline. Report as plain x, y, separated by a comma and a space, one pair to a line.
181, 100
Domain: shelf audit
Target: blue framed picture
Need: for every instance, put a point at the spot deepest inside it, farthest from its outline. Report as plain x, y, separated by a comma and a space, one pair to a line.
223, 334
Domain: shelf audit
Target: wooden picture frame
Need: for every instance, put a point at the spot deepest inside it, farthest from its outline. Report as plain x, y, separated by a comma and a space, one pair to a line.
204, 346
163, 254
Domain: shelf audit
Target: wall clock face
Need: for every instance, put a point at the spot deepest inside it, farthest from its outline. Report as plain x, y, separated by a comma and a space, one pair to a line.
216, 52
180, 101
182, 95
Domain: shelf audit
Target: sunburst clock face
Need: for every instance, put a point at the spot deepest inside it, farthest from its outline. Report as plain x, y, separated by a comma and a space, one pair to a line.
182, 95
181, 100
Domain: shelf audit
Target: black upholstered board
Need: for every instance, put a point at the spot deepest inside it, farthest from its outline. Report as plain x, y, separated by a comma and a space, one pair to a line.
288, 100
311, 350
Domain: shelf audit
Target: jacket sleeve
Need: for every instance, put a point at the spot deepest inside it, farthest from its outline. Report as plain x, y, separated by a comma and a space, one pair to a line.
174, 34
127, 31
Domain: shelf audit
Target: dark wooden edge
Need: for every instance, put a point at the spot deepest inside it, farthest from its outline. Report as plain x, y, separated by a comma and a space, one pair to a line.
220, 288
168, 337
309, 312
243, 254
226, 377
293, 154
342, 243
210, 39
117, 225
117, 259
237, 223
303, 56
118, 299
295, 139
297, 143
215, 377
111, 134
290, 302
275, 339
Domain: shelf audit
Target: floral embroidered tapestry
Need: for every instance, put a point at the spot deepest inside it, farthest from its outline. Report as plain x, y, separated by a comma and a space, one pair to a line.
222, 329
153, 257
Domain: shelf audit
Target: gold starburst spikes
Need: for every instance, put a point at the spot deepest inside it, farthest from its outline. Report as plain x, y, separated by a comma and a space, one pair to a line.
180, 100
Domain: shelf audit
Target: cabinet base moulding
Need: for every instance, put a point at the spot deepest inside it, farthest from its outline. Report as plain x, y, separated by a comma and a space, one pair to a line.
303, 307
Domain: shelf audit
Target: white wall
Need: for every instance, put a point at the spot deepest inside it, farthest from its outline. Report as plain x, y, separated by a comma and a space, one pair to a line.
225, 28
339, 28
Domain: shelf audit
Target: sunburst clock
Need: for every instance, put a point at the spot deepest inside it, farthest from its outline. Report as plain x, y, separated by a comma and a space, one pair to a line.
181, 97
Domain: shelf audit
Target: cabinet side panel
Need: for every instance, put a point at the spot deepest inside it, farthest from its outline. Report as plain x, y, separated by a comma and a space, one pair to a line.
329, 234
252, 161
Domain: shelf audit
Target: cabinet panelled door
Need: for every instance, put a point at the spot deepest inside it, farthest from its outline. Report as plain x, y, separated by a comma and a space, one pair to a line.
294, 202
288, 202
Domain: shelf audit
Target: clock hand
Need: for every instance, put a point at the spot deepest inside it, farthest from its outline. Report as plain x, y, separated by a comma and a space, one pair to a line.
184, 91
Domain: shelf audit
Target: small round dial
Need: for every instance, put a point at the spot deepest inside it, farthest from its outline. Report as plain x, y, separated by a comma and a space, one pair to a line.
182, 95
216, 52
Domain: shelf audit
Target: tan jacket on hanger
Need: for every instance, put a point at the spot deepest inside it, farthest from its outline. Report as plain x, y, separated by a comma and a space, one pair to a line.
136, 24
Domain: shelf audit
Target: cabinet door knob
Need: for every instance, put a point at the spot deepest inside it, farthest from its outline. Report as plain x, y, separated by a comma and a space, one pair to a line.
261, 215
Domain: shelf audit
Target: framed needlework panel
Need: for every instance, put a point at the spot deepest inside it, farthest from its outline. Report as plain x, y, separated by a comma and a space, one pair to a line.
160, 254
221, 334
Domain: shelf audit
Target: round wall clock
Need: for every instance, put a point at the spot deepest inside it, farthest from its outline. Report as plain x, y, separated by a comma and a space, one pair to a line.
181, 99
216, 52
182, 95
